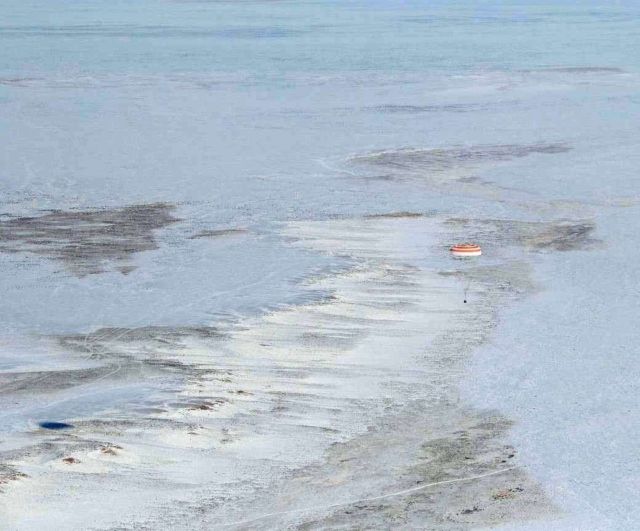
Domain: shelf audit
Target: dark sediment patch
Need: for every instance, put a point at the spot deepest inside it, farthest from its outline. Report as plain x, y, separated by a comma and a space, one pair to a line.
563, 236
9, 473
139, 352
217, 233
473, 20
17, 81
480, 482
125, 270
89, 241
418, 109
338, 339
115, 426
119, 354
152, 31
560, 235
266, 32
396, 215
153, 336
399, 162
55, 444
206, 405
110, 449
42, 381
583, 70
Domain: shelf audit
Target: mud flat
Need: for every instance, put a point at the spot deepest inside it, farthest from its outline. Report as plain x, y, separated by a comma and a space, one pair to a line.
343, 412
88, 241
439, 166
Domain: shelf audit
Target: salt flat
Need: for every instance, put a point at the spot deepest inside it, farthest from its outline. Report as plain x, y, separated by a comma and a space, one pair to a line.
225, 267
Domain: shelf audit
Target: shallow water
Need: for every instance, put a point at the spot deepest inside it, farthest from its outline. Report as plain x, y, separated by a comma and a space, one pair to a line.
155, 155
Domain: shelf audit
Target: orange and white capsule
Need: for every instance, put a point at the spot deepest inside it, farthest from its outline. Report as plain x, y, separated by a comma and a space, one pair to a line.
466, 249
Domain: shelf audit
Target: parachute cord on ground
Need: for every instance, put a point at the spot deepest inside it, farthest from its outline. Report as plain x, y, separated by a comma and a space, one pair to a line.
374, 498
466, 290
